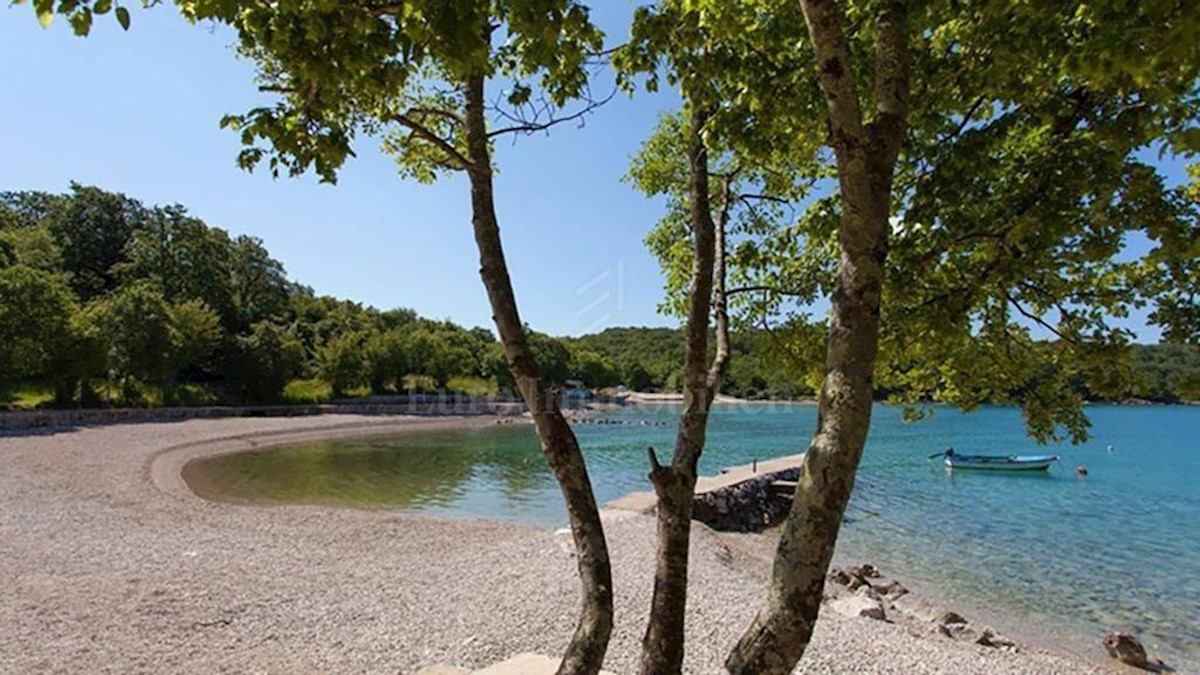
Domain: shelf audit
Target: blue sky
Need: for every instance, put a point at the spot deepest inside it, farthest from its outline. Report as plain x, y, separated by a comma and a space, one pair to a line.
137, 112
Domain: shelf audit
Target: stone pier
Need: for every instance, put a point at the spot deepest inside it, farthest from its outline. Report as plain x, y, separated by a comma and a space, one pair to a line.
739, 499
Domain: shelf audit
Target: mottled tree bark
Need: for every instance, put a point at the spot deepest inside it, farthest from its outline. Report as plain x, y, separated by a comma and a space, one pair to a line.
585, 653
866, 156
663, 642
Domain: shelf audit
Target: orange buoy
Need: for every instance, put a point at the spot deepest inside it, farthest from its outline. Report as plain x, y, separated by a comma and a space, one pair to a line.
1081, 470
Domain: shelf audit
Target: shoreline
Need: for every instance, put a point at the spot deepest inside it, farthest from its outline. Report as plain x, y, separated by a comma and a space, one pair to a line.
109, 541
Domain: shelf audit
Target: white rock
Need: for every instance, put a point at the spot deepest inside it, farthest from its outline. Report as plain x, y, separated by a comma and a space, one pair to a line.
858, 605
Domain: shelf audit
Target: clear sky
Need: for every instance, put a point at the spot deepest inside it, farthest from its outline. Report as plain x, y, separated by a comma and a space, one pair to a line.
137, 112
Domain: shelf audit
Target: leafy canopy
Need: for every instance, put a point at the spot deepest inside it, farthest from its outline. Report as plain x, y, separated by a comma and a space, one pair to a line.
1021, 184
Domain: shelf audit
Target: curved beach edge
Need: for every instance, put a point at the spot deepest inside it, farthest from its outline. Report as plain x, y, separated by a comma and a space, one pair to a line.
165, 467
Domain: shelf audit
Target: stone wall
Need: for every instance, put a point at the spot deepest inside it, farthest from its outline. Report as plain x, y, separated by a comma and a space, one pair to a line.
748, 506
414, 405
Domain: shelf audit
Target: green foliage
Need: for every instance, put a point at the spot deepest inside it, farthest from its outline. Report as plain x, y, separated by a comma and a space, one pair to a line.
343, 69
24, 395
92, 228
594, 370
387, 357
270, 357
195, 331
133, 328
35, 310
307, 391
340, 362
472, 386
32, 246
79, 13
1018, 189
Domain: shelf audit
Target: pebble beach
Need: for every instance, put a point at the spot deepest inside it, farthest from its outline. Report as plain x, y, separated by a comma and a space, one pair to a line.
110, 564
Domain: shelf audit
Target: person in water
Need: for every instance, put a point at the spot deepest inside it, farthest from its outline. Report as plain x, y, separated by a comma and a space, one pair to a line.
949, 452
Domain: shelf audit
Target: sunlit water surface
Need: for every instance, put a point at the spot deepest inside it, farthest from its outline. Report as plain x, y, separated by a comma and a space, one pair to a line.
1117, 550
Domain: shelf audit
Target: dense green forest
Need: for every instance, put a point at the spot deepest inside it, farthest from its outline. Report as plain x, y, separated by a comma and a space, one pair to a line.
104, 300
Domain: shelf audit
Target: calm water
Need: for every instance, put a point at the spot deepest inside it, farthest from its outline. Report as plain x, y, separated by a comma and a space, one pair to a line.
1117, 550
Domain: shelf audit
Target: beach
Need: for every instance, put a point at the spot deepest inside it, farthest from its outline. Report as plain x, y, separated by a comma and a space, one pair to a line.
112, 565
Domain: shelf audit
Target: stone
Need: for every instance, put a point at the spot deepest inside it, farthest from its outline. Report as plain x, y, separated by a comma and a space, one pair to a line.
838, 576
950, 617
917, 607
1126, 649
989, 638
859, 606
892, 589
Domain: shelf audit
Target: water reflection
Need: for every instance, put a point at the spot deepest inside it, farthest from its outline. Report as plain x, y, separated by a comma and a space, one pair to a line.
413, 471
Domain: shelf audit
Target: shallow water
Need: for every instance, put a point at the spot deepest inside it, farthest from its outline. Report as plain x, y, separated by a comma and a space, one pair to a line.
1117, 550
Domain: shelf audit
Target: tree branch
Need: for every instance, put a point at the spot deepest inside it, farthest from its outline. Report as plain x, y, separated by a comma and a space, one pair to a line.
422, 131
439, 112
1038, 320
528, 126
720, 306
767, 289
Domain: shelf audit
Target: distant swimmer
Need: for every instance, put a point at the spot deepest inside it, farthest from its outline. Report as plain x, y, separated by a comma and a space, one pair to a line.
1110, 449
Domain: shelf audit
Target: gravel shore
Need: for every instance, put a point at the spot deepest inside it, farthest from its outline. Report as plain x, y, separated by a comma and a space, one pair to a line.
109, 564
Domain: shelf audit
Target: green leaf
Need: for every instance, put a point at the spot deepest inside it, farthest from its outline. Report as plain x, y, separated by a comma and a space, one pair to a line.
102, 7
45, 18
123, 17
81, 21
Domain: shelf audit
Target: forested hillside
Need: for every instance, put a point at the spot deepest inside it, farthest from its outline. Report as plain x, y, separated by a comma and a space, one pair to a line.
106, 300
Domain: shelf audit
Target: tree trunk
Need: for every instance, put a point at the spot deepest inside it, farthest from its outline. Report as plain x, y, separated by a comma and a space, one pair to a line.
585, 653
663, 643
866, 156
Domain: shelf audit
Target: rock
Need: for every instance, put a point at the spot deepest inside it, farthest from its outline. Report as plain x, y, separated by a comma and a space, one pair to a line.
989, 638
868, 592
869, 571
838, 576
859, 605
950, 617
1126, 649
920, 609
892, 589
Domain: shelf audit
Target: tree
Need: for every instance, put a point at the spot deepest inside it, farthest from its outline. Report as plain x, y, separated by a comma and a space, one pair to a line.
133, 329
35, 312
593, 369
979, 251
387, 355
270, 356
1033, 95
416, 73
258, 283
186, 258
340, 362
195, 331
92, 227
32, 246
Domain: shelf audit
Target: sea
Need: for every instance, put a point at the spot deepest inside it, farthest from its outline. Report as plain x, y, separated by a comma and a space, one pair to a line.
1051, 555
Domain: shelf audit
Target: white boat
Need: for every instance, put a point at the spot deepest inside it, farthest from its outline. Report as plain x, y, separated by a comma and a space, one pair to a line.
1000, 463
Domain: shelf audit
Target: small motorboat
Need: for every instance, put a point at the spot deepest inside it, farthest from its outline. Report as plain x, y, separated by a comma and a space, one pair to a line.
997, 462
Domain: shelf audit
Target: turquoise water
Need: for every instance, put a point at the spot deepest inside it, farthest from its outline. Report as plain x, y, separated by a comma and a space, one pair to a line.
1117, 550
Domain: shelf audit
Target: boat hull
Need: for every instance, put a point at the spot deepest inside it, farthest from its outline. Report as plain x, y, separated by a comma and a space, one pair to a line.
1011, 463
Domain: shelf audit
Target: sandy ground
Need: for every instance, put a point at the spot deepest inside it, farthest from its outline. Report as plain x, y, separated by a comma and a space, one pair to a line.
108, 564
